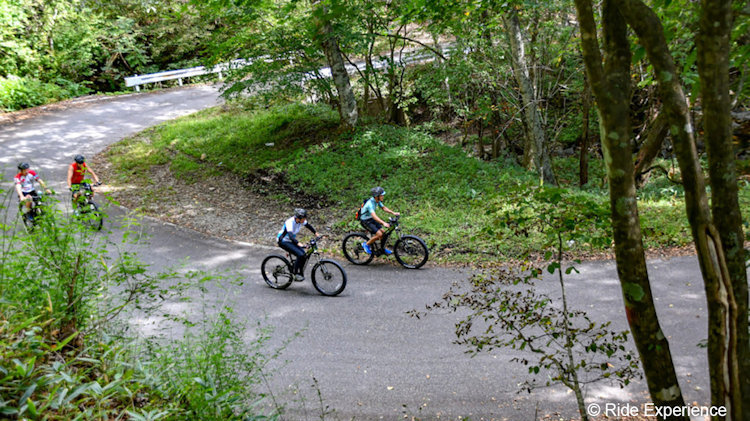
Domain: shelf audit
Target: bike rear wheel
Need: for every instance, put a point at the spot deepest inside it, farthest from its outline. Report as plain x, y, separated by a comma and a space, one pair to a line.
277, 271
91, 216
353, 251
328, 277
411, 252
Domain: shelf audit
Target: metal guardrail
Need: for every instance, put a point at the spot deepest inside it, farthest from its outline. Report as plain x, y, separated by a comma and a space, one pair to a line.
137, 80
180, 74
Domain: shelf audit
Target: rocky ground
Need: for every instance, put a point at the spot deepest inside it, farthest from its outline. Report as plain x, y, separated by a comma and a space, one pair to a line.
251, 210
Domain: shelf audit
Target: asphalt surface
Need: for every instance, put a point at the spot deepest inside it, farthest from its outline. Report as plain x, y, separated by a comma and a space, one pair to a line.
369, 358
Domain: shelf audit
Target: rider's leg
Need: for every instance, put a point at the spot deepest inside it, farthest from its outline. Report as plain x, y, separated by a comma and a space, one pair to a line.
296, 251
26, 203
377, 236
374, 228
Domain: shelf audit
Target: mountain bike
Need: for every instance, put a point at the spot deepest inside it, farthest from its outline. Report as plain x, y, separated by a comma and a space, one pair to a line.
85, 209
410, 251
327, 275
32, 218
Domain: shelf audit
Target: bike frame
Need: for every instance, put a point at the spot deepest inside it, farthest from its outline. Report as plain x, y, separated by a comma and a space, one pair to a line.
312, 250
387, 234
86, 193
37, 202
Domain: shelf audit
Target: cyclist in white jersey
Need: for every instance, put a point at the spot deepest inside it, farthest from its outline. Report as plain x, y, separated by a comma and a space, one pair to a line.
24, 181
287, 240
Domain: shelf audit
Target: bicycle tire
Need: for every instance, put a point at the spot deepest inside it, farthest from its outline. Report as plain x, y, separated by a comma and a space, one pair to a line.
91, 216
353, 251
411, 252
28, 222
332, 279
276, 271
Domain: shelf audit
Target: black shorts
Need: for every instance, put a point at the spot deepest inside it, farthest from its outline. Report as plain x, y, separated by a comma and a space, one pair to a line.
371, 225
32, 194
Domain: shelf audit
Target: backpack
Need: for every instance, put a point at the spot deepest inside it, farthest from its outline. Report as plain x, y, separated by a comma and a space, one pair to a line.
358, 214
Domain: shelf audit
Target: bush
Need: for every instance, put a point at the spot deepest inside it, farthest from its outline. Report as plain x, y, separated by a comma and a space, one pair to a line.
17, 93
65, 293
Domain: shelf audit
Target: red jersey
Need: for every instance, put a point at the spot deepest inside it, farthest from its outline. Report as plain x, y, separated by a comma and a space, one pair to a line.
78, 172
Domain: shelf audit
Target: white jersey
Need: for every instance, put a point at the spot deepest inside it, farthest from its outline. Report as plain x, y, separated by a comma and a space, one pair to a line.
290, 230
26, 181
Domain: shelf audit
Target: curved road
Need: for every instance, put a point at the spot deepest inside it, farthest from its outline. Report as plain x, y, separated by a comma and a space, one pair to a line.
371, 360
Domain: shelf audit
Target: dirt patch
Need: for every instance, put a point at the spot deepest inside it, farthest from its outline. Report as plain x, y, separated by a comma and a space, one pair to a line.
248, 209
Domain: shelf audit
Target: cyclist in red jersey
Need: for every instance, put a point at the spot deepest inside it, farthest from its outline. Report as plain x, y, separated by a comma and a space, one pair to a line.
76, 171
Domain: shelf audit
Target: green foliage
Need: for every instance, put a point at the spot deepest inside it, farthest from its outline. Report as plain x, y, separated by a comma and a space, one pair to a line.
66, 293
450, 199
232, 141
506, 310
64, 45
18, 93
214, 372
43, 377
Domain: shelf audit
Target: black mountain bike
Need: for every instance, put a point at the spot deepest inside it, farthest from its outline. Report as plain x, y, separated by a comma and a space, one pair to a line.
32, 218
410, 251
328, 276
86, 210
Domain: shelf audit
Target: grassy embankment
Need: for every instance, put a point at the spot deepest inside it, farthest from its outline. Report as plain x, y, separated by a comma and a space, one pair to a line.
448, 197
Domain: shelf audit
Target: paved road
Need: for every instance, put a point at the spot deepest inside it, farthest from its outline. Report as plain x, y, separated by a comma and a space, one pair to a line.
371, 360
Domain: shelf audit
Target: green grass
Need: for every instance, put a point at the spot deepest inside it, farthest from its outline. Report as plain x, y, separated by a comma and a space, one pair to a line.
450, 199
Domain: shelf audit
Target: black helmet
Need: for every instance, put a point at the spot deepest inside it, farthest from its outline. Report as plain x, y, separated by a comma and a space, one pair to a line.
23, 166
300, 213
79, 159
377, 191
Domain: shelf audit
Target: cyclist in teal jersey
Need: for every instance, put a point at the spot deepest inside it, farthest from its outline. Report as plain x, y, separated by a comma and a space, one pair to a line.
371, 221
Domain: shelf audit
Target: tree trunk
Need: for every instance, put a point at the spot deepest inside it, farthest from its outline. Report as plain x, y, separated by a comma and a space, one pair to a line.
611, 87
535, 156
655, 135
583, 170
722, 309
330, 46
713, 44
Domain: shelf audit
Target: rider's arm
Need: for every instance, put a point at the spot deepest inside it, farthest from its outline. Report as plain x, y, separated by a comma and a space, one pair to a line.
19, 191
390, 211
92, 173
377, 218
70, 176
310, 227
44, 185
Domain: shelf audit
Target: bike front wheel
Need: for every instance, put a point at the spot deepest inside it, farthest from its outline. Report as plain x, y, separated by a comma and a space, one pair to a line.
29, 219
411, 252
328, 277
91, 216
277, 271
353, 251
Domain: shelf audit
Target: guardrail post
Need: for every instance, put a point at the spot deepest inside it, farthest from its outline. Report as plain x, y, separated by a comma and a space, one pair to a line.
179, 80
